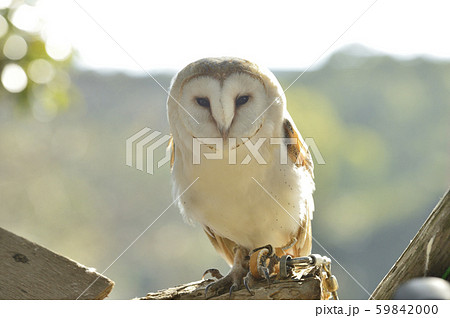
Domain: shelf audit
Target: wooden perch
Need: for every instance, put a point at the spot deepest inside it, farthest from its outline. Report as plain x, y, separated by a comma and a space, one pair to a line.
30, 271
306, 288
428, 254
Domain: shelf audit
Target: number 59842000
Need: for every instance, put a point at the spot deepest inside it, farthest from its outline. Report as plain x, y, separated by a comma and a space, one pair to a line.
406, 309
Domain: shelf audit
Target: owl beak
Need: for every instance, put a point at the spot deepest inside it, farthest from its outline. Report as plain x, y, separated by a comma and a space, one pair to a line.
223, 116
224, 131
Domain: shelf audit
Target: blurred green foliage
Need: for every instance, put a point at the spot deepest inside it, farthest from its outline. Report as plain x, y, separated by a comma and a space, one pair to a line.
33, 63
381, 125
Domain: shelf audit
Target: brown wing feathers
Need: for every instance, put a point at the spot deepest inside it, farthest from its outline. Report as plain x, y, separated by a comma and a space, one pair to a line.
298, 153
172, 148
223, 246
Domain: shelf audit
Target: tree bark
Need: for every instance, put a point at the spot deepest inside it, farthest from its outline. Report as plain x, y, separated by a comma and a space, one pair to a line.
306, 288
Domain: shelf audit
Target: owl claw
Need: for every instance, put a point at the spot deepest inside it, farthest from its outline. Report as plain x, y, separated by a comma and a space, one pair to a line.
214, 273
233, 288
230, 283
206, 291
266, 274
246, 281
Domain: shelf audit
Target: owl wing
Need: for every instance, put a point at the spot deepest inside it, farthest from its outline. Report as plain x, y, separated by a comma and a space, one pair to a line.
303, 245
171, 145
223, 246
299, 154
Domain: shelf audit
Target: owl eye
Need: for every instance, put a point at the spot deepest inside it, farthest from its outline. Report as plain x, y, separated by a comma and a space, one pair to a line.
203, 101
241, 100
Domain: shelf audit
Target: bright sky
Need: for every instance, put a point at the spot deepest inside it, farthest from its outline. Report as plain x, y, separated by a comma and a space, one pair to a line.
157, 35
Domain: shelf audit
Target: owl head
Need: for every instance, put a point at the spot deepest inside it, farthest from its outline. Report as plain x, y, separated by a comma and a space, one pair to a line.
223, 98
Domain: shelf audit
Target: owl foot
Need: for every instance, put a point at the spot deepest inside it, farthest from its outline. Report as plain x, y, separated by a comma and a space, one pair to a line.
262, 262
233, 280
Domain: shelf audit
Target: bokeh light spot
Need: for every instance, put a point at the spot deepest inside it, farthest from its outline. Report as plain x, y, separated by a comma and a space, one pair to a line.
14, 78
41, 71
15, 47
58, 48
5, 4
26, 19
3, 26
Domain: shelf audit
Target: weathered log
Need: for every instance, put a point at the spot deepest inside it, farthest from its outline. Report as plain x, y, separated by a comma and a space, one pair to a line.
428, 254
306, 288
30, 271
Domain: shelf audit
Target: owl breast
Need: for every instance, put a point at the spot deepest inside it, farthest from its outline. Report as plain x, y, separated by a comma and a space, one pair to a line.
251, 204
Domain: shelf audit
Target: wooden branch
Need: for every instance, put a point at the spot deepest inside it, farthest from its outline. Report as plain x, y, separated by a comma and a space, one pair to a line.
426, 255
29, 271
308, 288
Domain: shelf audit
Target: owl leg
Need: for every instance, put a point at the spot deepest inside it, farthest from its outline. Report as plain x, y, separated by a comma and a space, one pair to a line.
234, 279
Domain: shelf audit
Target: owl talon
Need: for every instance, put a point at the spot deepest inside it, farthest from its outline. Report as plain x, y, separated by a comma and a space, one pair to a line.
246, 281
214, 273
265, 270
233, 288
206, 290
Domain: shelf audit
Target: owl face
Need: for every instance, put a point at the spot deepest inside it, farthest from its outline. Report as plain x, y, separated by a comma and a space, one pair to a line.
225, 98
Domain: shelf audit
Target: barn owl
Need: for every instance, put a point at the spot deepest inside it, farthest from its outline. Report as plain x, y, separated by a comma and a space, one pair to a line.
242, 203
